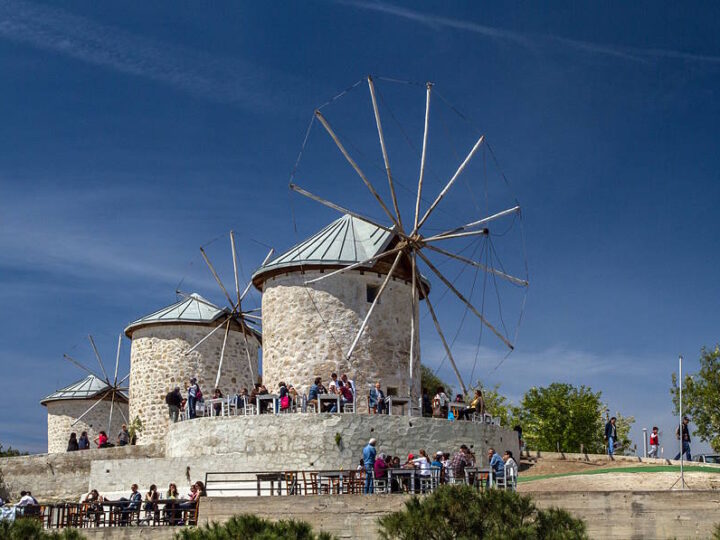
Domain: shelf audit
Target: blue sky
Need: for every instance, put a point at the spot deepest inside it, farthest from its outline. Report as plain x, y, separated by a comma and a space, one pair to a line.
132, 134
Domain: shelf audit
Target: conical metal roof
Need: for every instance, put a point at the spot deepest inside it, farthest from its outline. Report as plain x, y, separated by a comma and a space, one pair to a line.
194, 309
88, 388
345, 241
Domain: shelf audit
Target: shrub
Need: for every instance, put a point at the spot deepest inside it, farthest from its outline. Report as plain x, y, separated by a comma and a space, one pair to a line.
31, 529
251, 527
459, 512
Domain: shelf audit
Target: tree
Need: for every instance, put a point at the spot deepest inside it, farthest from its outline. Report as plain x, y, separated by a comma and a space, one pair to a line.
10, 452
249, 526
562, 416
495, 403
701, 397
463, 513
432, 382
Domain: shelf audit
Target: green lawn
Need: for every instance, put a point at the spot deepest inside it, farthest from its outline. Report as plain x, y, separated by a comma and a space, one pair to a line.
648, 469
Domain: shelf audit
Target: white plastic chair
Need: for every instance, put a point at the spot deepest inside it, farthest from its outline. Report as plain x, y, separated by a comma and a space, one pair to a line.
380, 485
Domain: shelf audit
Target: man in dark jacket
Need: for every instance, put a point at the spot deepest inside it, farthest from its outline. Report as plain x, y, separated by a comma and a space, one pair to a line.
611, 435
683, 428
174, 402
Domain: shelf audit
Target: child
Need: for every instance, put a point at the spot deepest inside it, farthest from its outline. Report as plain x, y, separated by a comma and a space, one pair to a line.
654, 443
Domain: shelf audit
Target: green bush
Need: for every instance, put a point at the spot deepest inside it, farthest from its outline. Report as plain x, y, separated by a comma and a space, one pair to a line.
31, 529
716, 532
251, 527
460, 512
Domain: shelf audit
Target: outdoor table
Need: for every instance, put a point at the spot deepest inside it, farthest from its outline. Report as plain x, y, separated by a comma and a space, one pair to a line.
172, 510
403, 475
397, 400
211, 402
271, 477
115, 511
328, 397
479, 474
456, 406
338, 477
267, 397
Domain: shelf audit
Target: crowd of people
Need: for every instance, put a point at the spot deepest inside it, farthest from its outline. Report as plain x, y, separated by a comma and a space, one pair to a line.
76, 443
439, 406
174, 506
448, 468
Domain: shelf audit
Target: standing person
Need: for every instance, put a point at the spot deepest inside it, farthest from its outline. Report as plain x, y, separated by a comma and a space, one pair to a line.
73, 443
654, 443
426, 404
193, 398
685, 437
123, 438
440, 403
83, 441
611, 435
174, 402
369, 453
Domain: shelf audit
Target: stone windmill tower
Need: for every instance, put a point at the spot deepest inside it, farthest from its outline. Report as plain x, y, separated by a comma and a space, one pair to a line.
309, 327
82, 406
182, 341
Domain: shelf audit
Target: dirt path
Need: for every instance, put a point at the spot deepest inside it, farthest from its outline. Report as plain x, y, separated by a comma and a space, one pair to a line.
619, 481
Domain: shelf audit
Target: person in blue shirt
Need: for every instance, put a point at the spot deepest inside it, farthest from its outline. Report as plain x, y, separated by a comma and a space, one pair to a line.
314, 391
497, 463
369, 453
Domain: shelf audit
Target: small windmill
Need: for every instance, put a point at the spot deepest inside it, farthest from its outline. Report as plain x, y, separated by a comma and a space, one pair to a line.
113, 388
235, 312
412, 246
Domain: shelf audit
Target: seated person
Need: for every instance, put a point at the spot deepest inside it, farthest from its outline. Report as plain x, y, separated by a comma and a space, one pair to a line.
132, 505
463, 412
345, 393
26, 499
377, 403
510, 463
123, 438
217, 407
380, 467
314, 392
478, 403
496, 463
242, 399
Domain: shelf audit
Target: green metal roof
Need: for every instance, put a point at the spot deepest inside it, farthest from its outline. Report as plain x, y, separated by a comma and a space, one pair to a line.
345, 241
88, 388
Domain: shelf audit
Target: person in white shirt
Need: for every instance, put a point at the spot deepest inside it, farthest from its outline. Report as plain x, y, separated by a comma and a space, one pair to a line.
510, 464
440, 403
26, 499
333, 386
422, 462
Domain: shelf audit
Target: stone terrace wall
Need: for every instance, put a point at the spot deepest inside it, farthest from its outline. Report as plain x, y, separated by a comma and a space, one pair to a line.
292, 441
158, 364
308, 330
61, 414
63, 476
307, 441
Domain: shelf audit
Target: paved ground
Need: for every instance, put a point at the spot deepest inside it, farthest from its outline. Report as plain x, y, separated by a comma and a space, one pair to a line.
569, 475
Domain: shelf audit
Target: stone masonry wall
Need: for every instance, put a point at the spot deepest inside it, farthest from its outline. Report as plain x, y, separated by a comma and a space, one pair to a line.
308, 330
61, 414
158, 363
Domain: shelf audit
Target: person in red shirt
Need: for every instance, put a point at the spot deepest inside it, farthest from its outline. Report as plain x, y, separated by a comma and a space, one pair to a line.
101, 440
654, 443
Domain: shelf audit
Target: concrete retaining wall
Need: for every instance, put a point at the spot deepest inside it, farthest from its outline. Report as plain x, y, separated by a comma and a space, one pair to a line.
608, 515
64, 476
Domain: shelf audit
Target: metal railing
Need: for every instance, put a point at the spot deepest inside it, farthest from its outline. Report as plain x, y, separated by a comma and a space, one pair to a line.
339, 482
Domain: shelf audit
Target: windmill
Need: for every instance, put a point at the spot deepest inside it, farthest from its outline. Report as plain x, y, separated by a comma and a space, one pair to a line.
112, 389
247, 320
414, 246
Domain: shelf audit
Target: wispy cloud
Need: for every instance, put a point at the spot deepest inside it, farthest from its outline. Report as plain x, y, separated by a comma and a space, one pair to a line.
199, 74
530, 40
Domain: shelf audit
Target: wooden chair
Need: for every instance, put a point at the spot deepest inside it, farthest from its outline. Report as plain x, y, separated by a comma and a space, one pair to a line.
311, 486
292, 486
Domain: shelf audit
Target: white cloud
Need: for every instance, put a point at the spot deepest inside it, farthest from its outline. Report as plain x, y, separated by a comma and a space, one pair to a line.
199, 74
530, 40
